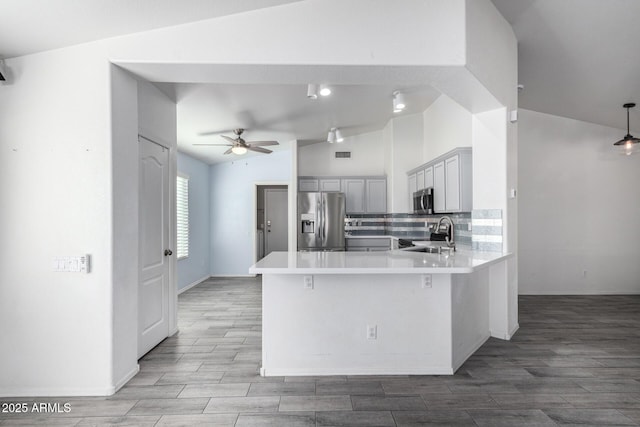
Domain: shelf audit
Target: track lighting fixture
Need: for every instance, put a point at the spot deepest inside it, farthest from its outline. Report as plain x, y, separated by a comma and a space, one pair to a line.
629, 144
398, 102
314, 89
339, 137
331, 137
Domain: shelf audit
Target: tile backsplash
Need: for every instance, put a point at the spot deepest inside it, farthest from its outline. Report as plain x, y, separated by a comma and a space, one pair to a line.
409, 226
480, 229
487, 230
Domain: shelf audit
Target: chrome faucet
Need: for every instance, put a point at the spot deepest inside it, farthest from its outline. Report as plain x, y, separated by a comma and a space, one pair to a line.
449, 238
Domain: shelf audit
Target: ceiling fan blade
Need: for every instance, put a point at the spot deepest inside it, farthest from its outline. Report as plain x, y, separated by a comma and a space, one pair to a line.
258, 149
217, 145
228, 151
262, 143
228, 139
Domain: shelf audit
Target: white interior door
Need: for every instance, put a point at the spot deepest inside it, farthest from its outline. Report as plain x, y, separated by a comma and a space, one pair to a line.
275, 220
155, 252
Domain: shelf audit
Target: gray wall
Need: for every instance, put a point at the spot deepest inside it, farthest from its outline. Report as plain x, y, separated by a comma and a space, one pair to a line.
195, 267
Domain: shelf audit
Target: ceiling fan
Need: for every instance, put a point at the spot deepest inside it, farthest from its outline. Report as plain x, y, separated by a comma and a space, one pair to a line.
239, 146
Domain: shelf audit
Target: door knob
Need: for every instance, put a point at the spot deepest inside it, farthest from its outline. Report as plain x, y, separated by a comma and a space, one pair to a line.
168, 252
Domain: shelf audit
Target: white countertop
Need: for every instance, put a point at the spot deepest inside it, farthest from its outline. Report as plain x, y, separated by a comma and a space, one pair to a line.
389, 262
351, 236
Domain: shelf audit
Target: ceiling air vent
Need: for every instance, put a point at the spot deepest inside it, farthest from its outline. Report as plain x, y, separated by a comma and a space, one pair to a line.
343, 154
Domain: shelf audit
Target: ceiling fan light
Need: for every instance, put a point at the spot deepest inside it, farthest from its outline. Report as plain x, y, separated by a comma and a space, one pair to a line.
239, 150
312, 91
339, 137
331, 137
325, 91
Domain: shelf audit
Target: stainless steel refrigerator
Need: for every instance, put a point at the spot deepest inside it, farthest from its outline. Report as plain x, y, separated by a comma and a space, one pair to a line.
321, 221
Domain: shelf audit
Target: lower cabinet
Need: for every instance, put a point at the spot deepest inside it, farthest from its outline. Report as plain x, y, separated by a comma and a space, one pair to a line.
368, 244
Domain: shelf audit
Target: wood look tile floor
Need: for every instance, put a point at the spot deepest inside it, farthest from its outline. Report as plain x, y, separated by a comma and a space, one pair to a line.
574, 361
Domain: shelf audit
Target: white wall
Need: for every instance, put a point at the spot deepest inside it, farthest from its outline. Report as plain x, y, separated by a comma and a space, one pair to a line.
55, 328
447, 125
233, 208
367, 156
579, 221
406, 145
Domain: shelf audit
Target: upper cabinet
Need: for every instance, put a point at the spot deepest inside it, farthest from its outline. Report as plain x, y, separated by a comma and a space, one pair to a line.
354, 191
376, 191
451, 176
366, 194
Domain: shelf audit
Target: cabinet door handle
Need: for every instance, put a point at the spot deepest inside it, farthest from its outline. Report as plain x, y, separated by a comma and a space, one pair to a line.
168, 252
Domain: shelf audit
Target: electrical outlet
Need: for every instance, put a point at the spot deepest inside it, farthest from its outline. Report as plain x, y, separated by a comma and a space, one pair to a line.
426, 281
308, 282
372, 332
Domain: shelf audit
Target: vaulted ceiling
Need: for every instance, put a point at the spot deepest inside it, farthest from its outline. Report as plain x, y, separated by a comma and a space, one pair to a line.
576, 59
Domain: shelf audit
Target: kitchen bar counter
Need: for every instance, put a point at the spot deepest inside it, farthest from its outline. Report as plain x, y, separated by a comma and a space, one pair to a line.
382, 313
391, 262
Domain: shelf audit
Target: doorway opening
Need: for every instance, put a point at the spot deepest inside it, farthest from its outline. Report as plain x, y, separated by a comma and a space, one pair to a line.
272, 213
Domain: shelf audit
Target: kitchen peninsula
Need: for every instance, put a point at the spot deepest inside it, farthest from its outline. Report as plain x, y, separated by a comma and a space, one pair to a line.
396, 312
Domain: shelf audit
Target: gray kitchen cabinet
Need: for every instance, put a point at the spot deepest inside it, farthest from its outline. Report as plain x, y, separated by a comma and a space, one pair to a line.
413, 187
308, 184
363, 194
367, 244
330, 184
428, 177
420, 180
376, 196
354, 191
452, 189
450, 175
439, 190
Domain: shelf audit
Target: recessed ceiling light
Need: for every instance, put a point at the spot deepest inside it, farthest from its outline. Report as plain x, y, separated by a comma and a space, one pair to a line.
325, 91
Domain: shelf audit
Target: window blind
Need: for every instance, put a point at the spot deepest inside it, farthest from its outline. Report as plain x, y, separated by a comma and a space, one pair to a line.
182, 201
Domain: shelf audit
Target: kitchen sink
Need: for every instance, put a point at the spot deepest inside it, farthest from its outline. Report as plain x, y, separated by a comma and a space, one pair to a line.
429, 249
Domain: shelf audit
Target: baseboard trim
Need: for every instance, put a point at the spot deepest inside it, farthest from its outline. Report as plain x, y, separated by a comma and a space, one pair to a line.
513, 331
473, 349
418, 370
132, 373
191, 285
233, 275
578, 293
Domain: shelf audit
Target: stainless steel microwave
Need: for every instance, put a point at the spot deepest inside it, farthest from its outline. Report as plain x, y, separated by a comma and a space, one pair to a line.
423, 201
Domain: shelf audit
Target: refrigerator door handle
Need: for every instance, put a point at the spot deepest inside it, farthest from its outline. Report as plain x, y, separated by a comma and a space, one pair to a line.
324, 221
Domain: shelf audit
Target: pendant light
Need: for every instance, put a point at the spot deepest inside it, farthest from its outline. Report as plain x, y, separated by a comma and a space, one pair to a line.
629, 144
